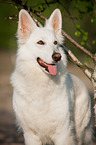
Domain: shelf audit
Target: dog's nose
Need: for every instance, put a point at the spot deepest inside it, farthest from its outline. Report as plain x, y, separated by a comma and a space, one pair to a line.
56, 56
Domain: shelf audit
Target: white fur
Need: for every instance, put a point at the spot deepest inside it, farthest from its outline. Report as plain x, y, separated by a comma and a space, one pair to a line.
49, 109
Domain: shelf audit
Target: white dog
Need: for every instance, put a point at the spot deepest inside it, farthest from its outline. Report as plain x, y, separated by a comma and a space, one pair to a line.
52, 106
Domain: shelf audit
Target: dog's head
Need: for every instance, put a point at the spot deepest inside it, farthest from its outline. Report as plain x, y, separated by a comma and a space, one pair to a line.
41, 44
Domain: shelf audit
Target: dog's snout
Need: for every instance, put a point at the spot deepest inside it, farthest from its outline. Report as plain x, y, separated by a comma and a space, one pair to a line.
56, 56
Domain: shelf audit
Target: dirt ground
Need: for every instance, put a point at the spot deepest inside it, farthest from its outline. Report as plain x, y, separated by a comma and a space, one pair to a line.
8, 130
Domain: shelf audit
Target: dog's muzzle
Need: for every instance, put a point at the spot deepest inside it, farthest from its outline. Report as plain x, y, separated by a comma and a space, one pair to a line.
50, 68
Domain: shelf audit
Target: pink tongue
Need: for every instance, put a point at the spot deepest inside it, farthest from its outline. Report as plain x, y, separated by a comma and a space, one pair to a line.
52, 69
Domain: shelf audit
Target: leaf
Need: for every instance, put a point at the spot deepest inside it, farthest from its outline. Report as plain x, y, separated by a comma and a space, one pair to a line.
82, 31
78, 26
94, 41
86, 63
86, 33
77, 33
82, 43
85, 38
88, 59
88, 45
93, 20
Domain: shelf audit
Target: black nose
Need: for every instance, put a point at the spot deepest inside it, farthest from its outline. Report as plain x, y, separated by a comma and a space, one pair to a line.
56, 56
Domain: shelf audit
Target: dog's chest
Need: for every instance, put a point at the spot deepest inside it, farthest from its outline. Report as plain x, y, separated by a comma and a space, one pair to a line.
45, 116
44, 109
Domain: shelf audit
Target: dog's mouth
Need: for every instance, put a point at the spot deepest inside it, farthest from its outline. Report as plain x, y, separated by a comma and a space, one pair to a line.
51, 68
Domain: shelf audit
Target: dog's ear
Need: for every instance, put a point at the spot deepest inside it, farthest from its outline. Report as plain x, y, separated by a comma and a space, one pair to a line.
25, 25
55, 23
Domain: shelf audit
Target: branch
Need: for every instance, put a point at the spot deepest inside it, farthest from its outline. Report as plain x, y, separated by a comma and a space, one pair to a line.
24, 5
37, 22
7, 2
78, 45
12, 18
94, 87
88, 71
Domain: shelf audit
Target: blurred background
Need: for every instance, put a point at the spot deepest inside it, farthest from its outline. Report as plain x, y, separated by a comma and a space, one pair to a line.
79, 21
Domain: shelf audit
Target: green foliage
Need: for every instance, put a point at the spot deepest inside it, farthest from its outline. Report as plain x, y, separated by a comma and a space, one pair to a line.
77, 33
93, 20
88, 60
94, 41
83, 34
85, 8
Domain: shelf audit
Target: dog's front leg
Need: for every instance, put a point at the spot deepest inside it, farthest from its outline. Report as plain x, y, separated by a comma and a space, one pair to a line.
32, 139
65, 137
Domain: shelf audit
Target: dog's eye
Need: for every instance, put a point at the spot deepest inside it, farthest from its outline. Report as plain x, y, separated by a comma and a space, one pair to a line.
55, 42
40, 42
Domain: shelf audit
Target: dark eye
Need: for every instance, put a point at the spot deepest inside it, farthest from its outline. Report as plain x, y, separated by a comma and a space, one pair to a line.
40, 42
55, 42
